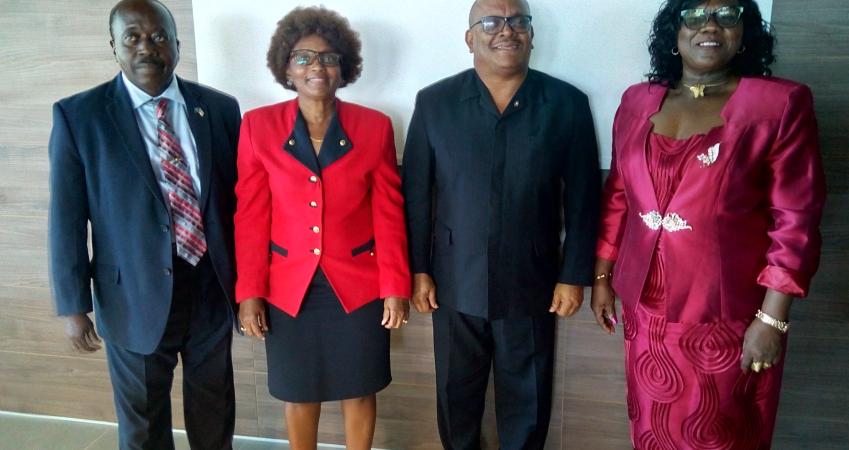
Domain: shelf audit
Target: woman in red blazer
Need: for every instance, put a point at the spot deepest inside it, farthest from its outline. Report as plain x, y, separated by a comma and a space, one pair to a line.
709, 228
320, 234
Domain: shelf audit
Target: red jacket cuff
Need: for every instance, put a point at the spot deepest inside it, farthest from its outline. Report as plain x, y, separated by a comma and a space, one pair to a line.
603, 250
785, 281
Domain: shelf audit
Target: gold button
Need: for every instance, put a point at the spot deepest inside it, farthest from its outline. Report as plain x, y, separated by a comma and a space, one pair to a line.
316, 251
316, 229
342, 142
291, 142
313, 179
313, 205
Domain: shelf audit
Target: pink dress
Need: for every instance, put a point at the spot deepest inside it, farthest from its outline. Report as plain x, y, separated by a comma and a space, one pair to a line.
685, 386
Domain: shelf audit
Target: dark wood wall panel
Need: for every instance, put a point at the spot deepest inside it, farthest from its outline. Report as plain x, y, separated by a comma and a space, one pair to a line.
813, 47
55, 48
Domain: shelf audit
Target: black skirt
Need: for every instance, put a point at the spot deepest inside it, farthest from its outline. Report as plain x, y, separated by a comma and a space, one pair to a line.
325, 354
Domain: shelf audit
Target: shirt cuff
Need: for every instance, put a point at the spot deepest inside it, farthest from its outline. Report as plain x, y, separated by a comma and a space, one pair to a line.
785, 281
603, 250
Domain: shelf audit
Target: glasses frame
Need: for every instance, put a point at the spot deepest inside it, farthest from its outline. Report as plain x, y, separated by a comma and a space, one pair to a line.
504, 22
314, 55
711, 15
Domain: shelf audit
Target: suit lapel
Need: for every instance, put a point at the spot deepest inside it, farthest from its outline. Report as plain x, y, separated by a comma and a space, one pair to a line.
120, 111
336, 143
298, 144
198, 115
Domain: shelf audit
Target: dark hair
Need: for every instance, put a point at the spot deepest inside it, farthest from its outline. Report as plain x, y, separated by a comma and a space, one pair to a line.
118, 5
321, 22
666, 68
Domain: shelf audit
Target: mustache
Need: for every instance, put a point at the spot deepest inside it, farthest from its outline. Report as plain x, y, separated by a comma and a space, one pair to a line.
150, 60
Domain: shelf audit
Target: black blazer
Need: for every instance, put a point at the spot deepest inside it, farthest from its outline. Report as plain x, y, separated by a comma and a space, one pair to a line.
488, 195
101, 175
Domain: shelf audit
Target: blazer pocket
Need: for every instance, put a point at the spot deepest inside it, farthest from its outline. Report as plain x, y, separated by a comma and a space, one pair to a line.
107, 273
367, 247
442, 235
277, 249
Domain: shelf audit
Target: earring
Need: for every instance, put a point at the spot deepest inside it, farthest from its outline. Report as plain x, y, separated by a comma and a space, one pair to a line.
742, 49
675, 51
289, 83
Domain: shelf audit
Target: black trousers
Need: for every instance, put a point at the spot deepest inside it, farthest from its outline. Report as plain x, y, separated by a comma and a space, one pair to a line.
199, 330
521, 354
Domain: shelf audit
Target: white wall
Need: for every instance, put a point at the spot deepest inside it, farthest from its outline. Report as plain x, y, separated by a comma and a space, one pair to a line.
599, 46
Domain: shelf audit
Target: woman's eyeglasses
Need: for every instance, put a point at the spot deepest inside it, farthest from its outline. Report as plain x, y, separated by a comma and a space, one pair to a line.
304, 57
496, 24
725, 16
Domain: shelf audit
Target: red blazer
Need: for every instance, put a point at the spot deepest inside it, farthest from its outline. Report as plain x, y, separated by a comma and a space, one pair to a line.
342, 211
744, 218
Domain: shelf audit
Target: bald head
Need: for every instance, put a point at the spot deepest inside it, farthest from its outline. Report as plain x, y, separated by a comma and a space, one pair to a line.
480, 6
130, 4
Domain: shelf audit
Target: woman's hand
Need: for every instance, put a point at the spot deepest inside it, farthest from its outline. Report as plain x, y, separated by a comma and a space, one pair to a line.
396, 311
603, 304
252, 317
761, 344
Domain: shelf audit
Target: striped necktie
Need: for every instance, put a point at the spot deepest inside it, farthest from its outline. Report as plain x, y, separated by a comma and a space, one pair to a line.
185, 210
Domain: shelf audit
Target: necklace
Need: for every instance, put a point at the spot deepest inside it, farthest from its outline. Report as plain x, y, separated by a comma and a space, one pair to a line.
698, 89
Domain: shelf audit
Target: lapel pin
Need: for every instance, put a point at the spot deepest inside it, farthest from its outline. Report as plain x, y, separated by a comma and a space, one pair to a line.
710, 157
199, 111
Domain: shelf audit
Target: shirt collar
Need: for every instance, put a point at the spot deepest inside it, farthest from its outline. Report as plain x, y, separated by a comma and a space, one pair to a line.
531, 89
139, 97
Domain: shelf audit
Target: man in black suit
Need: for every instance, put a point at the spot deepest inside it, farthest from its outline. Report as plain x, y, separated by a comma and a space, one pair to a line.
494, 156
147, 161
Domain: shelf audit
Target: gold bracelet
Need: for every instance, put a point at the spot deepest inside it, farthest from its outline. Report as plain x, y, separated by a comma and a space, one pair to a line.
602, 276
772, 321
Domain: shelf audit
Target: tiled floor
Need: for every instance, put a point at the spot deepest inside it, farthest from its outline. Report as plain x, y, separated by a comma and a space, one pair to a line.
29, 432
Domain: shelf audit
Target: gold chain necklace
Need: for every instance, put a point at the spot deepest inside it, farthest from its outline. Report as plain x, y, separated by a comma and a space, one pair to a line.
698, 89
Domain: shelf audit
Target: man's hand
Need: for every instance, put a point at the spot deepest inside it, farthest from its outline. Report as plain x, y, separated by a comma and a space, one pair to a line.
252, 319
80, 331
424, 293
567, 299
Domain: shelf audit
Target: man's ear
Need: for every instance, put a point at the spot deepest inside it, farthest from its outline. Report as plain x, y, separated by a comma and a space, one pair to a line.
470, 39
112, 45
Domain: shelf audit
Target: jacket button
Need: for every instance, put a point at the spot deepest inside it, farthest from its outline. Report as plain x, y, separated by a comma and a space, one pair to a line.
313, 179
167, 272
371, 253
315, 229
314, 204
316, 251
342, 142
165, 228
291, 142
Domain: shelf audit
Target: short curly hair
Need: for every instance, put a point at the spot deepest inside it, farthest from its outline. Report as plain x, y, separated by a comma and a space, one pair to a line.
319, 21
666, 68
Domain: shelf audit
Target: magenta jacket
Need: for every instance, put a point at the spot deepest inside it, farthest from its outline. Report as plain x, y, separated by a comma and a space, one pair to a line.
744, 218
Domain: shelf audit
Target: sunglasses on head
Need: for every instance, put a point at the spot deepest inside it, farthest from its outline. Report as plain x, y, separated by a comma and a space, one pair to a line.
304, 57
725, 17
496, 24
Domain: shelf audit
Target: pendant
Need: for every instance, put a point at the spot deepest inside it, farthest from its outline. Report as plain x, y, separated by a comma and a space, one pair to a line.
698, 90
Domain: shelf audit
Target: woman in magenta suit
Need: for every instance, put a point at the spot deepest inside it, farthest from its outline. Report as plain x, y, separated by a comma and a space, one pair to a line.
320, 235
709, 228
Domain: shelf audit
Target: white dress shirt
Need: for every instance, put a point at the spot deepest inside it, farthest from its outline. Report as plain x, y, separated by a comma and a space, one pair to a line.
144, 108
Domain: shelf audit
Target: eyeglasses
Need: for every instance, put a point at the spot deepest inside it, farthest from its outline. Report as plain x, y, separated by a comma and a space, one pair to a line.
305, 57
725, 16
496, 24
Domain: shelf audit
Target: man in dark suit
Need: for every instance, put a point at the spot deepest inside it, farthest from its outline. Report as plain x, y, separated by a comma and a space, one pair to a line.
499, 161
147, 161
